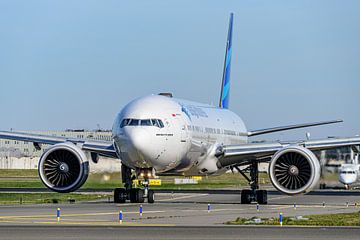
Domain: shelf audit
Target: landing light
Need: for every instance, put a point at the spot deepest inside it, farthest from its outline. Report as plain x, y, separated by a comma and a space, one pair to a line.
145, 173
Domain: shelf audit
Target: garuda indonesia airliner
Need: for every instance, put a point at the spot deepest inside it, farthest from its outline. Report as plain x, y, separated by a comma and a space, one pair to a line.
163, 135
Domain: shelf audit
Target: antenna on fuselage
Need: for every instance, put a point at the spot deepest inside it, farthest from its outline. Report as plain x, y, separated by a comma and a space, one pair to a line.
225, 86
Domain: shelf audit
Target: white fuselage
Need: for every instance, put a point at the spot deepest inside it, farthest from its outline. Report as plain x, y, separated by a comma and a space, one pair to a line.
349, 174
174, 136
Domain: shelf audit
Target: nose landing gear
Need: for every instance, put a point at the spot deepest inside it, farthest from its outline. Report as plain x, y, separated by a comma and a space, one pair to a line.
135, 195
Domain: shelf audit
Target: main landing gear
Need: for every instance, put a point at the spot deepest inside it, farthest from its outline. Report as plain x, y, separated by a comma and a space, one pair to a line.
254, 194
135, 195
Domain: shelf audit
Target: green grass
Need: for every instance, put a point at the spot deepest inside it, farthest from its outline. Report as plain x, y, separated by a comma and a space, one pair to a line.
36, 198
339, 219
331, 176
113, 180
29, 179
16, 183
211, 182
18, 173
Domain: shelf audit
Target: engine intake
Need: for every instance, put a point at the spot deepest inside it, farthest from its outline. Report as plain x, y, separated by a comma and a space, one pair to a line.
294, 170
63, 167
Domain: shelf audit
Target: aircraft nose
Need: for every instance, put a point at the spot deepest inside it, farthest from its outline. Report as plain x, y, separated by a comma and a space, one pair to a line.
347, 179
140, 141
139, 138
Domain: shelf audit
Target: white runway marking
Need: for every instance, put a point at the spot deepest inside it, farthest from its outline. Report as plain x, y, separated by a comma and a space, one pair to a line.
213, 210
282, 207
184, 197
281, 197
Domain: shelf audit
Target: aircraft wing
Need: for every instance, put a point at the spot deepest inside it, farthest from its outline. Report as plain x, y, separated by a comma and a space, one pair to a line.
290, 127
104, 148
245, 154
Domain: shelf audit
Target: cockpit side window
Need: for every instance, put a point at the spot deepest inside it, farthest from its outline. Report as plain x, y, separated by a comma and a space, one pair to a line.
125, 122
155, 123
160, 123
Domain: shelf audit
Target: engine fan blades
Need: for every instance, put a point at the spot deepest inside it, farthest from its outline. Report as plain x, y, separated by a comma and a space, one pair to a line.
292, 170
61, 168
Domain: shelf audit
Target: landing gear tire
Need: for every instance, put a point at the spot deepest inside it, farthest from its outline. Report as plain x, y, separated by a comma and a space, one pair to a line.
136, 195
261, 196
151, 196
140, 195
322, 185
252, 195
246, 196
119, 195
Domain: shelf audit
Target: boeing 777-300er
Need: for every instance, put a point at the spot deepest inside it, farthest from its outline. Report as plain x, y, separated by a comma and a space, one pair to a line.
162, 135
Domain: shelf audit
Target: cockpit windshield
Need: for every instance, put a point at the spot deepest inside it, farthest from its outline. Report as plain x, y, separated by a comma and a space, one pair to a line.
146, 122
134, 122
141, 122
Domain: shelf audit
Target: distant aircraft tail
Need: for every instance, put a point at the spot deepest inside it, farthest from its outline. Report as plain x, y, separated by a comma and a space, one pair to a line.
225, 86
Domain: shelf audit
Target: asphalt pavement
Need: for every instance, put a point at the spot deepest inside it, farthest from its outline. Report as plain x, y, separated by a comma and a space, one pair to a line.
177, 216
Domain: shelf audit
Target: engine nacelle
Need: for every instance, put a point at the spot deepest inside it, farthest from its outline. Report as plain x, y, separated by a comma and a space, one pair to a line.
63, 168
294, 170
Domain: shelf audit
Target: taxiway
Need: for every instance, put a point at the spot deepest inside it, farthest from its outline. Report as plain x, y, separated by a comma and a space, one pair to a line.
176, 216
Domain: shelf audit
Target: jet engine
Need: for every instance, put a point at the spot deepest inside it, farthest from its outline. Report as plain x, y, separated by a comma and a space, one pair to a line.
63, 168
294, 170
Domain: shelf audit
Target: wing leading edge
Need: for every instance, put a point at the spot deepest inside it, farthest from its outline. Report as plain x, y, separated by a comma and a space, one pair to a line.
289, 127
104, 148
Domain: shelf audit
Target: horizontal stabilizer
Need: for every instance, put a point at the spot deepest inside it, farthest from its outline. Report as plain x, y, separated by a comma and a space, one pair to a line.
284, 128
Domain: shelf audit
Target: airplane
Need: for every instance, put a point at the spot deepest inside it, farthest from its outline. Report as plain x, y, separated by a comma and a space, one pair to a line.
163, 135
349, 173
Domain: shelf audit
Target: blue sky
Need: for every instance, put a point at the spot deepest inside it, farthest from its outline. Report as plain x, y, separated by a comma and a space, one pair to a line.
74, 64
